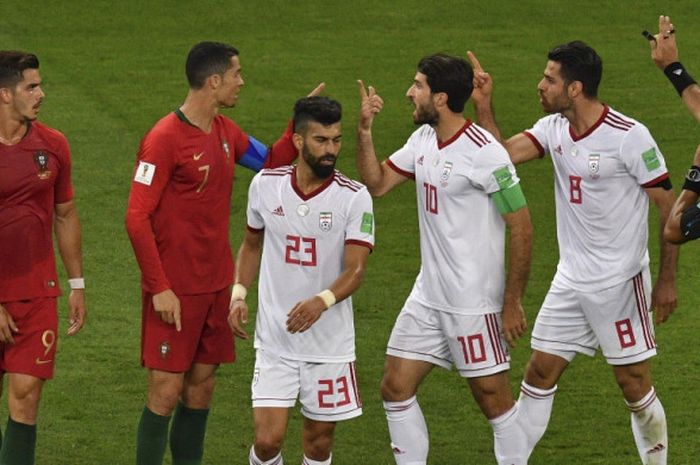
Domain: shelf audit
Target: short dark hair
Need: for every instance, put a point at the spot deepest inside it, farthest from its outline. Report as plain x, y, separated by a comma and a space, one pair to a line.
579, 62
206, 59
451, 75
315, 109
12, 65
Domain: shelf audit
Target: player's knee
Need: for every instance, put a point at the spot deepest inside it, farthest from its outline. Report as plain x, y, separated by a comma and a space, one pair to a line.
267, 444
393, 390
163, 397
539, 376
24, 404
318, 442
198, 395
635, 384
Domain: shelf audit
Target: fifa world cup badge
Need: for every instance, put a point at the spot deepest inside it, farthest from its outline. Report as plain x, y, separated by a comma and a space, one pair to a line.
325, 221
594, 165
42, 163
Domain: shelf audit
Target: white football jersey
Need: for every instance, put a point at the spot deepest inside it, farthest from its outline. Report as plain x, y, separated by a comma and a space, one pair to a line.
601, 205
462, 234
303, 252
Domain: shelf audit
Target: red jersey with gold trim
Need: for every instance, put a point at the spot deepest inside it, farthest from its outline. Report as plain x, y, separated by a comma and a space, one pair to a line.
178, 211
34, 176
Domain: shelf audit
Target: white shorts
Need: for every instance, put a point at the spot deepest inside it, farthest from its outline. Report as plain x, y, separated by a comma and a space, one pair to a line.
616, 319
472, 343
326, 391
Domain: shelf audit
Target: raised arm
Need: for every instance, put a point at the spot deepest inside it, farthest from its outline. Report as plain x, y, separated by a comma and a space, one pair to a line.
664, 52
664, 298
306, 313
378, 177
520, 147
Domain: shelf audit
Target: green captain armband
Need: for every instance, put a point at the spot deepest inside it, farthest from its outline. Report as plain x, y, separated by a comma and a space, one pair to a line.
510, 199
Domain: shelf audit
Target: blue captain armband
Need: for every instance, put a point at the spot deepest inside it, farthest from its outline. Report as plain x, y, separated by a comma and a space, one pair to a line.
255, 156
510, 199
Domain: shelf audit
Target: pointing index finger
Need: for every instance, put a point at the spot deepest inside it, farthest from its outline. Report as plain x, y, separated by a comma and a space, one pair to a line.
363, 91
475, 63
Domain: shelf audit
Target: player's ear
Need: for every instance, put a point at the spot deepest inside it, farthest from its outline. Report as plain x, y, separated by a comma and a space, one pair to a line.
214, 81
440, 99
5, 94
575, 88
298, 141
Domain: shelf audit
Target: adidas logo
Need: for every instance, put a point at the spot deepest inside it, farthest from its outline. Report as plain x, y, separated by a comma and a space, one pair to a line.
279, 211
678, 71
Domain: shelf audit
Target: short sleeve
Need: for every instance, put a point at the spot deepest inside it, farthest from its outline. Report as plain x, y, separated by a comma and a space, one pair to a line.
642, 157
360, 226
403, 161
254, 218
492, 170
539, 132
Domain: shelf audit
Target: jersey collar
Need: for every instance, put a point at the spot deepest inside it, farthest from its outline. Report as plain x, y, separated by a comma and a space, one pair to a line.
442, 145
313, 193
577, 138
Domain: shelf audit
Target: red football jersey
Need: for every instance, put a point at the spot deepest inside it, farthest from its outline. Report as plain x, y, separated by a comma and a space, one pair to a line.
34, 176
178, 212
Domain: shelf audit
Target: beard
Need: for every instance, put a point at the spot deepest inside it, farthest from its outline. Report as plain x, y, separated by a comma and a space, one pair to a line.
322, 171
558, 105
425, 114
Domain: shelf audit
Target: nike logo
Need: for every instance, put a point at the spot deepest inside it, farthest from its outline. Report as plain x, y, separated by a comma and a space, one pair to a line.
197, 156
42, 362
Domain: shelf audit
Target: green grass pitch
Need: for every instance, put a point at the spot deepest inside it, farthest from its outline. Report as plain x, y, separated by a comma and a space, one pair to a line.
111, 69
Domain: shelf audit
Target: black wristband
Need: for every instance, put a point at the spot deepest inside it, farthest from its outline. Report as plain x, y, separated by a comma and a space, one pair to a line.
679, 77
692, 180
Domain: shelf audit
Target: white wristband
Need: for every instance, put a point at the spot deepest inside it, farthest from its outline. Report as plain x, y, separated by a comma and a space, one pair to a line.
239, 292
77, 283
328, 297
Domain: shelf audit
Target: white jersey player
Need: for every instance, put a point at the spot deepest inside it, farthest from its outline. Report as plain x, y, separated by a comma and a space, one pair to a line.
462, 308
606, 166
318, 229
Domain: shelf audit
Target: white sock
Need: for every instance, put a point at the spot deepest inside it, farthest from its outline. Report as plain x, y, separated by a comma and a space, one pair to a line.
535, 408
649, 429
510, 443
308, 461
408, 431
254, 460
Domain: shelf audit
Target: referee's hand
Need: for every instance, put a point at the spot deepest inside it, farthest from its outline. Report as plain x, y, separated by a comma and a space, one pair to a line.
664, 50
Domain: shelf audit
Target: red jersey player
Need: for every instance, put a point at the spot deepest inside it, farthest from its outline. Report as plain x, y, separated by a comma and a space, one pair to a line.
36, 195
178, 223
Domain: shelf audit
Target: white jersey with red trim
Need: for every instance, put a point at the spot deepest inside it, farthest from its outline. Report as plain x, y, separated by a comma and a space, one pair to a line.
601, 204
462, 234
303, 252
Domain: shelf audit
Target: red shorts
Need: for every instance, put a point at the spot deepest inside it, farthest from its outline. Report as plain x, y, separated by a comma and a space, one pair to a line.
34, 350
205, 336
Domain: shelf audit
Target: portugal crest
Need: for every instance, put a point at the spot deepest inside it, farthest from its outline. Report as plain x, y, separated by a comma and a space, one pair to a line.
224, 145
42, 164
164, 349
325, 221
